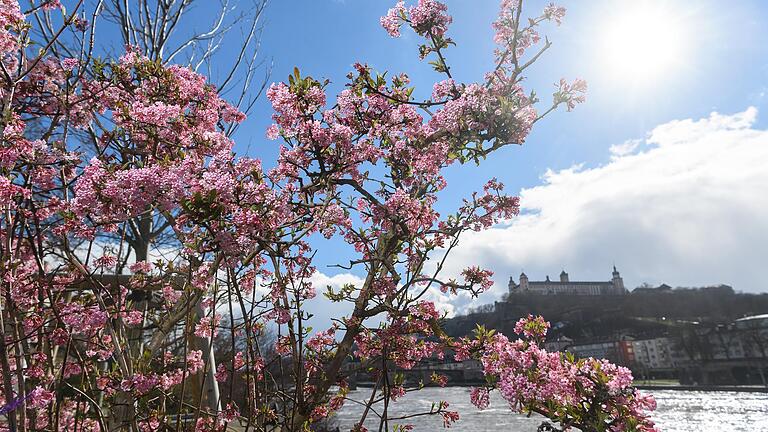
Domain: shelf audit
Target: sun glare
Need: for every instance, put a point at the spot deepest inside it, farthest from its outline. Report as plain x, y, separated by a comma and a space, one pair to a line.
644, 42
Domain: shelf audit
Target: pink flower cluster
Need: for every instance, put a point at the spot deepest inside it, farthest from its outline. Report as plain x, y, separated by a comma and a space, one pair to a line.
480, 397
10, 18
555, 13
208, 326
571, 94
393, 19
532, 327
449, 417
516, 37
476, 276
400, 338
428, 18
531, 379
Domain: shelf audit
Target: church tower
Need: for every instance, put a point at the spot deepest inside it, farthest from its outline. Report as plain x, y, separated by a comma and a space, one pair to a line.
523, 282
618, 282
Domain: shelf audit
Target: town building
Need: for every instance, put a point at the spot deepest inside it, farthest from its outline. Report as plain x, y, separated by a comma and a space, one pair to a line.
620, 352
615, 286
656, 353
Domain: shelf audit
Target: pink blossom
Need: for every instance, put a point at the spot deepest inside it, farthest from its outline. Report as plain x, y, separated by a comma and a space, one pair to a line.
480, 397
449, 417
571, 94
273, 132
222, 374
430, 16
141, 267
143, 384
396, 392
231, 114
230, 413
321, 340
238, 361
553, 12
207, 327
171, 295
283, 345
425, 310
195, 361
444, 89
528, 376
170, 379
72, 369
106, 261
40, 398
476, 276
135, 317
319, 412
393, 19
441, 380
69, 63
532, 327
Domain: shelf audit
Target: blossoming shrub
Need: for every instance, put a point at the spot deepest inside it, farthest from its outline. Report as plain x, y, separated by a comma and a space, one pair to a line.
589, 394
130, 227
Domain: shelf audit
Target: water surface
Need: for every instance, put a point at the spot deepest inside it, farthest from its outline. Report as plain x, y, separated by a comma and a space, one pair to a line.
678, 411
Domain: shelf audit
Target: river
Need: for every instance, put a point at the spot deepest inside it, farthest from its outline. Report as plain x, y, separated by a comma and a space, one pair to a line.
678, 411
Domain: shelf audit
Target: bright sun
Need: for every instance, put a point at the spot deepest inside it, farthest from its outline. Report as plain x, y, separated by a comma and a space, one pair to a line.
644, 42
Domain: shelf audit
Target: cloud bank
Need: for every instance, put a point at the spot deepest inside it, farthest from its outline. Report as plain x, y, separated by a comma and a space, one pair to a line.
687, 205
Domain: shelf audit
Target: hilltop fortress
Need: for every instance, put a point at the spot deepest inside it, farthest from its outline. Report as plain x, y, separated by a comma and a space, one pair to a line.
615, 286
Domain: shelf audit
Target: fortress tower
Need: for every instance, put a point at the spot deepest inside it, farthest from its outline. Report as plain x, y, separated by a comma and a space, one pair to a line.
618, 282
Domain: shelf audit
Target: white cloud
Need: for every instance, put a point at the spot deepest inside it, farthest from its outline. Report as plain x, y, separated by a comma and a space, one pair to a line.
321, 280
625, 148
324, 310
690, 209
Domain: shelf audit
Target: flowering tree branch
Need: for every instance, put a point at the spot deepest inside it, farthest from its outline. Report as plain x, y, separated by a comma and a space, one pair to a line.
129, 227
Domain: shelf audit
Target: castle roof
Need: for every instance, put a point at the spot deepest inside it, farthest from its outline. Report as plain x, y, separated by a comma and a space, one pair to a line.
550, 282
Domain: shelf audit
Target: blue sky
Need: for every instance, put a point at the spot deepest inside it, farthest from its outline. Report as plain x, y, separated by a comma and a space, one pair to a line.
722, 67
726, 69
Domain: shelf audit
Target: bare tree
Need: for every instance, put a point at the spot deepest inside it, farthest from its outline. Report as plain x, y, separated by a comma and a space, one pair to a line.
226, 48
754, 338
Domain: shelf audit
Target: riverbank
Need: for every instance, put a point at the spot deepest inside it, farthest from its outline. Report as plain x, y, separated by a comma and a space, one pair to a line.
703, 388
